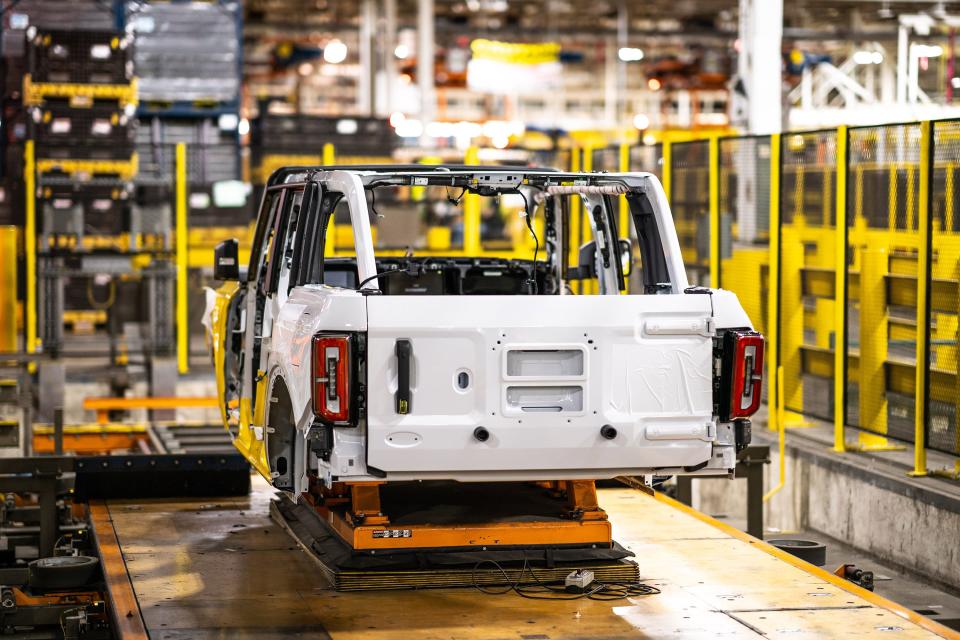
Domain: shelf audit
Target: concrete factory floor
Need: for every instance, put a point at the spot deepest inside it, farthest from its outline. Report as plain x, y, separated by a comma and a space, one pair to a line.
211, 569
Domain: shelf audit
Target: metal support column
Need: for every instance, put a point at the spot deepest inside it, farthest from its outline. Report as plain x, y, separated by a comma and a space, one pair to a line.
183, 326
584, 230
773, 284
761, 33
713, 175
840, 294
573, 226
472, 242
30, 247
368, 64
330, 247
924, 264
8, 289
624, 167
666, 173
425, 60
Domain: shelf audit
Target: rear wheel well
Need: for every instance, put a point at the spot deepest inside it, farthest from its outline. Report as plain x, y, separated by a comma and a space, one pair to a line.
281, 436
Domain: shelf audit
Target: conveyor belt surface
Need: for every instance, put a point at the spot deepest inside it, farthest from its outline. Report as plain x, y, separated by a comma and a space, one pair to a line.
222, 568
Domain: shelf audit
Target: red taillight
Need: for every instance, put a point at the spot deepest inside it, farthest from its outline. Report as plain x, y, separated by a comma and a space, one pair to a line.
331, 370
741, 374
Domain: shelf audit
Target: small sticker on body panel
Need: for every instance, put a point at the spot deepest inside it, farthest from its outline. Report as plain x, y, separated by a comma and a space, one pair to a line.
393, 533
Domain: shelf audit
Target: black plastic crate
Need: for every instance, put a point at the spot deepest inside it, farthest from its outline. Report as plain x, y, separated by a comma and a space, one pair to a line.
100, 211
100, 132
299, 134
86, 191
89, 57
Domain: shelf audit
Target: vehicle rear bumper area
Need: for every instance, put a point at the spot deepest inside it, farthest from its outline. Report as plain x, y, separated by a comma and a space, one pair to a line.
558, 387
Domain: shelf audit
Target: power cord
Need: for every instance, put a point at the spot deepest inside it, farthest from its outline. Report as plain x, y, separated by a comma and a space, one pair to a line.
602, 591
532, 282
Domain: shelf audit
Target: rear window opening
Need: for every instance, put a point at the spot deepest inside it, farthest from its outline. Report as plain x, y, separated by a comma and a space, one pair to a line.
432, 239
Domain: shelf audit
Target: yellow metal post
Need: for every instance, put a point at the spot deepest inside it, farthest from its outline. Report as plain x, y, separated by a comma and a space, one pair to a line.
666, 172
714, 189
30, 246
624, 209
183, 328
583, 222
773, 284
472, 243
329, 156
840, 295
8, 289
925, 226
573, 232
330, 247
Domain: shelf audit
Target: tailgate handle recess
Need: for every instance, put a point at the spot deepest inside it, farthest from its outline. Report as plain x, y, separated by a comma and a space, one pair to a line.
403, 350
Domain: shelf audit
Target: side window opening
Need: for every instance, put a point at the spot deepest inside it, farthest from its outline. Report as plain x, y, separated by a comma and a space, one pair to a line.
263, 237
654, 274
315, 263
306, 229
285, 248
279, 241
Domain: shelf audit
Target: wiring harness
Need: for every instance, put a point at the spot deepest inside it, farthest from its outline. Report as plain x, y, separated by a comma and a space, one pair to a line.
542, 591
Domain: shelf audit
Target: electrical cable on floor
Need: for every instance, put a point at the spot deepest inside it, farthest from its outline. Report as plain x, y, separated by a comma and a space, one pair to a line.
602, 591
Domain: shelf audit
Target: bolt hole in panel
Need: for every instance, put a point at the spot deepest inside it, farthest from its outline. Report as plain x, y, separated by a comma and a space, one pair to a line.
541, 363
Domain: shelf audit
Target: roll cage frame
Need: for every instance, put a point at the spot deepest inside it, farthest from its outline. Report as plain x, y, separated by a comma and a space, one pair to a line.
324, 187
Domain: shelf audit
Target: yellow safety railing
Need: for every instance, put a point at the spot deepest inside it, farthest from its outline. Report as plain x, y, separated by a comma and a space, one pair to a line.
183, 259
851, 235
8, 289
846, 243
30, 247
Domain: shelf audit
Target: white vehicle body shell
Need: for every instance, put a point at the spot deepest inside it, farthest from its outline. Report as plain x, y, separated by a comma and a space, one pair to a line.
640, 363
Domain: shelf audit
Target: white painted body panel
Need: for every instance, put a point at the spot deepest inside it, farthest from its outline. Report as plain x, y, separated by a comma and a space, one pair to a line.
639, 381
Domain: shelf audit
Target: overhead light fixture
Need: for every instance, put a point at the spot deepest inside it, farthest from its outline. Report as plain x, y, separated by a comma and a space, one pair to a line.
630, 54
641, 121
653, 84
228, 122
335, 52
402, 51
